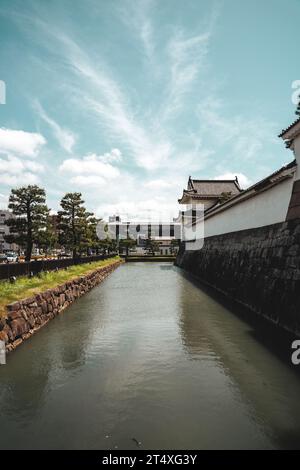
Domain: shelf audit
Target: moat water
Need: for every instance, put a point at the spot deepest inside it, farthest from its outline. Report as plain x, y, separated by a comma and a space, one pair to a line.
148, 357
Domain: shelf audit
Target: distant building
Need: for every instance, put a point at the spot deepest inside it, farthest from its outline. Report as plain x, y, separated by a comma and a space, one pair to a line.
114, 218
165, 246
4, 230
161, 232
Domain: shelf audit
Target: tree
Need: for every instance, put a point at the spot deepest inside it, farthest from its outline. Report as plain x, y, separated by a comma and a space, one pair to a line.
127, 243
152, 245
225, 196
48, 239
174, 245
92, 242
75, 224
111, 245
28, 204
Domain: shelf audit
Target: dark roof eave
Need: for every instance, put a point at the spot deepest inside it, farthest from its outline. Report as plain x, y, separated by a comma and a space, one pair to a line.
213, 181
284, 131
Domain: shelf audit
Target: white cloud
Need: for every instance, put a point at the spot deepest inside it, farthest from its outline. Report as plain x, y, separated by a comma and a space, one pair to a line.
145, 129
244, 181
15, 171
21, 143
114, 156
154, 209
92, 165
65, 137
88, 181
14, 165
19, 179
158, 184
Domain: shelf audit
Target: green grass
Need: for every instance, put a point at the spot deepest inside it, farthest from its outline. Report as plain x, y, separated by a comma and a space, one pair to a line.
26, 287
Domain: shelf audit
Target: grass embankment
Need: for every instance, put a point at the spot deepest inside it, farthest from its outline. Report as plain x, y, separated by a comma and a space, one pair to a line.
26, 287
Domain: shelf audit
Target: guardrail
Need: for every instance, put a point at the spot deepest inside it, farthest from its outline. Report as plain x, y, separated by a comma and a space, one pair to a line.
9, 270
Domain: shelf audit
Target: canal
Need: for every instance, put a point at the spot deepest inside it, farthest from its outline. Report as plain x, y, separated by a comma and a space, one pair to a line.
148, 359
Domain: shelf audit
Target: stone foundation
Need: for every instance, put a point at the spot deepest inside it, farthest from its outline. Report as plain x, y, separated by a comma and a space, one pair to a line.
259, 268
27, 316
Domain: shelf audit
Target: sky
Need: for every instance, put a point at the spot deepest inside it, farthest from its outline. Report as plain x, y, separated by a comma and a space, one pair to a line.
122, 100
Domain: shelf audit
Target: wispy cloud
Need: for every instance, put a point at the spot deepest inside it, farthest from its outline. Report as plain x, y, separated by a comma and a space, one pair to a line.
187, 56
238, 139
150, 99
137, 16
65, 137
105, 98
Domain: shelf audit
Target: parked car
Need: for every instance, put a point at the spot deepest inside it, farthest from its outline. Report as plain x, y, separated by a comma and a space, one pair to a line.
12, 257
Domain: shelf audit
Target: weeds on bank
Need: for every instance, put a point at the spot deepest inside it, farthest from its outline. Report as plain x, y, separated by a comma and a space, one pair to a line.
26, 287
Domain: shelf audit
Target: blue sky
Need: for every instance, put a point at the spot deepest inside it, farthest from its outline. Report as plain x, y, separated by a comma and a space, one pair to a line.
123, 100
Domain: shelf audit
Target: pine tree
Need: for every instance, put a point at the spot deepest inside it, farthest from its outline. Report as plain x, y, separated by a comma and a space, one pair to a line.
48, 239
28, 204
126, 244
151, 245
75, 224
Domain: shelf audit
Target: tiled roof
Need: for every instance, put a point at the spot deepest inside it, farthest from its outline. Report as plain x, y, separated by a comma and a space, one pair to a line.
194, 195
275, 178
289, 128
215, 187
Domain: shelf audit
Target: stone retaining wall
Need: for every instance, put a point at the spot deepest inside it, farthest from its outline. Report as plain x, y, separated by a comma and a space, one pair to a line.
259, 268
27, 316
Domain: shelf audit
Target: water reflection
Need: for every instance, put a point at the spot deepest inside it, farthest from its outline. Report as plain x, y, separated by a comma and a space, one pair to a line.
47, 361
269, 386
149, 356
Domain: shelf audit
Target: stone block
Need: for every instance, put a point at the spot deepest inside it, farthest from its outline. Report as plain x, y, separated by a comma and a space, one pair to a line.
13, 307
19, 327
13, 315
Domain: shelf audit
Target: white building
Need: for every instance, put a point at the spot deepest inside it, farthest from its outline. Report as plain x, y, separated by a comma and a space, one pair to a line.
165, 245
272, 200
4, 230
